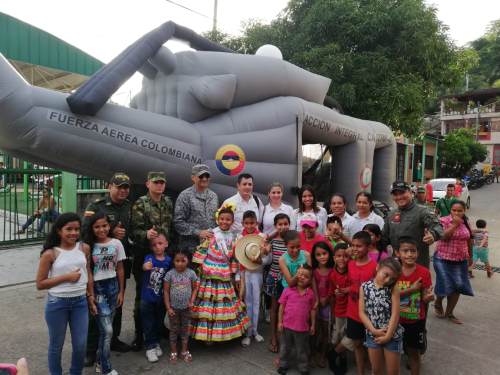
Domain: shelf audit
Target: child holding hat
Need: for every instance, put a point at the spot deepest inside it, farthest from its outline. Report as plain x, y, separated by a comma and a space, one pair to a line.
252, 265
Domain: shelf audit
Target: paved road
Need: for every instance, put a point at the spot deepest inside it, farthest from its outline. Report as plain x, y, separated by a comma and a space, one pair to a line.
471, 348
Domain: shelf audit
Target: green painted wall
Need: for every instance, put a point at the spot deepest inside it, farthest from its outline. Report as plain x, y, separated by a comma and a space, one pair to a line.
20, 41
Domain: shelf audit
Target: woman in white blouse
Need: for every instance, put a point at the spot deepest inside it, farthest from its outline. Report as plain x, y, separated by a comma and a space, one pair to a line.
275, 206
307, 203
365, 215
338, 205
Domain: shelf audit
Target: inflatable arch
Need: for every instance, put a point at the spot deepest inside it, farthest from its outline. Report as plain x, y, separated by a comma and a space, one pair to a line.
236, 113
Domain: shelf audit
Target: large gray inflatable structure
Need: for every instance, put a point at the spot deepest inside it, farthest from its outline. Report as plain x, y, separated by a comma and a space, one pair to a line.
237, 113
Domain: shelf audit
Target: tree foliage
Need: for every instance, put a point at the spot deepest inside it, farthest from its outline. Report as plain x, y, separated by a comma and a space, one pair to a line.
460, 152
384, 57
487, 72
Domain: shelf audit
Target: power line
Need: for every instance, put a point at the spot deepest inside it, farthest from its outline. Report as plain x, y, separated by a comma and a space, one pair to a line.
216, 21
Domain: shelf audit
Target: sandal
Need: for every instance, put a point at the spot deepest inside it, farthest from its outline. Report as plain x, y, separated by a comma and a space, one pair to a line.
173, 358
186, 356
439, 311
321, 364
454, 319
490, 273
273, 348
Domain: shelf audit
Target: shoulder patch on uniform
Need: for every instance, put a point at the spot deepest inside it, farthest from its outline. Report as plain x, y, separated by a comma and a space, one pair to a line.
89, 213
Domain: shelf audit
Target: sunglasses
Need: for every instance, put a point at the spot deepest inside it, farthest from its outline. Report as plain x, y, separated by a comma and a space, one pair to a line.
204, 175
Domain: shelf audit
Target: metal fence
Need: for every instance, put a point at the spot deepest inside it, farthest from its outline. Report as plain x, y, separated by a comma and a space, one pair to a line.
88, 183
30, 202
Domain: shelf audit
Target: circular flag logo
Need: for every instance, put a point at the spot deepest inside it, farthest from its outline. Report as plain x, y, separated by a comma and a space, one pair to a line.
230, 160
366, 176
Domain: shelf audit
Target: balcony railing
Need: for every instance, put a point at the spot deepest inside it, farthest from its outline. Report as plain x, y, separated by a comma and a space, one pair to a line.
470, 110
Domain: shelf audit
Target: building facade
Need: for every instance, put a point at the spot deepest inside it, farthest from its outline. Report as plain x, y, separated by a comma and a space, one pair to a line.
480, 107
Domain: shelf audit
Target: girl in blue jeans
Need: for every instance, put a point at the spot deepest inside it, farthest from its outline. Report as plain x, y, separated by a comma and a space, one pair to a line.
65, 271
107, 270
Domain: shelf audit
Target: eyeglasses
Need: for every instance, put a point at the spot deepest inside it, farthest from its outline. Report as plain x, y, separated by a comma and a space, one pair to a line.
204, 175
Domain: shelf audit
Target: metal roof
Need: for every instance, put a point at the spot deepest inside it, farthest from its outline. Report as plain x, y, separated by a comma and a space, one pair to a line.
43, 59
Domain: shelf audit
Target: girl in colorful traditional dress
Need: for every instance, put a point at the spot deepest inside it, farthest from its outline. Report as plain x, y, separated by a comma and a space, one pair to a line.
218, 314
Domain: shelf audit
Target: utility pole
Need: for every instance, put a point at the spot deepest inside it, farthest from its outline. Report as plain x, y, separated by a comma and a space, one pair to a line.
215, 16
477, 122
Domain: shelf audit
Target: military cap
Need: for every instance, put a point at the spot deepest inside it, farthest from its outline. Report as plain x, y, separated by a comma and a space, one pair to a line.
156, 176
119, 179
399, 185
421, 189
200, 169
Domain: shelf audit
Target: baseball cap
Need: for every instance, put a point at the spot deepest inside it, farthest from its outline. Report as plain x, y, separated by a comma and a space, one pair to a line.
200, 169
119, 179
421, 189
399, 185
309, 219
156, 176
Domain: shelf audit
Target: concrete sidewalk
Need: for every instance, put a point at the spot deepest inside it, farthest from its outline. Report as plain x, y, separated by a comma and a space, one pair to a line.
470, 348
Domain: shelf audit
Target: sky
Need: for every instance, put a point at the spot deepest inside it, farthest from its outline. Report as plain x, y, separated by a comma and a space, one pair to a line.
104, 28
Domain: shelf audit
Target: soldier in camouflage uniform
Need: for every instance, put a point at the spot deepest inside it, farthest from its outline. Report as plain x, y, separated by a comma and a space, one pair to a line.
411, 219
151, 215
421, 198
118, 209
195, 210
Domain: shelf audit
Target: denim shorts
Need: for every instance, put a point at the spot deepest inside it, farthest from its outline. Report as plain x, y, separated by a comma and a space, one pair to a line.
274, 286
394, 345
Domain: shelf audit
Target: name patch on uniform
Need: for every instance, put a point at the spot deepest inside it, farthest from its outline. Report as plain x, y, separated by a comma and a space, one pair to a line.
409, 218
396, 218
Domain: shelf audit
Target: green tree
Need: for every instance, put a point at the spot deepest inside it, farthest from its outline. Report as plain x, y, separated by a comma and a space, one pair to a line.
460, 152
384, 57
487, 72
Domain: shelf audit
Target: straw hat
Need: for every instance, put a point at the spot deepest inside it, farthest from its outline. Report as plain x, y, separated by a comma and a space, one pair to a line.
248, 247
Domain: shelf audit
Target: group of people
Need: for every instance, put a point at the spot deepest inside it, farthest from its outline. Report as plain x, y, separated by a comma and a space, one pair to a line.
367, 275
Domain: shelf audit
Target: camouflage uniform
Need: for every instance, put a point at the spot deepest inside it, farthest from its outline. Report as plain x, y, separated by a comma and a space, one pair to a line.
429, 205
194, 212
146, 213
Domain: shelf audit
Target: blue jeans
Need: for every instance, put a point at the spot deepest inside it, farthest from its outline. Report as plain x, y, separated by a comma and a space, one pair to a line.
394, 345
105, 294
152, 314
58, 313
51, 216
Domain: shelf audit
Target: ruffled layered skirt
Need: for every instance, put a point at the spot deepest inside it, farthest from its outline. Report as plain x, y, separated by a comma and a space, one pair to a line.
217, 314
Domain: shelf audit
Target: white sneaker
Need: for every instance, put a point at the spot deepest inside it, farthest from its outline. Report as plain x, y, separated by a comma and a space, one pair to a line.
151, 354
259, 338
159, 352
246, 341
267, 316
113, 372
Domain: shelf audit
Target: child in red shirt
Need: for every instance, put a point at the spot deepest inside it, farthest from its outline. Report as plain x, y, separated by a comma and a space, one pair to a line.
338, 307
361, 270
415, 284
308, 235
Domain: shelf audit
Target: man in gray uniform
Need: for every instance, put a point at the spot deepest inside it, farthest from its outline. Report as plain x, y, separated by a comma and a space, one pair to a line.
411, 219
195, 210
421, 198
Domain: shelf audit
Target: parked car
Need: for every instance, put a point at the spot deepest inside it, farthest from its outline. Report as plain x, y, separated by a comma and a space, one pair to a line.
439, 189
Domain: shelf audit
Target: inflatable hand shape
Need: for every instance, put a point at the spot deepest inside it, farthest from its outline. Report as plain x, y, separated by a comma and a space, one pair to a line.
236, 113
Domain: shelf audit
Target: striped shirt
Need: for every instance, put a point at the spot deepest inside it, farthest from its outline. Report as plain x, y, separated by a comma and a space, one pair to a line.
278, 248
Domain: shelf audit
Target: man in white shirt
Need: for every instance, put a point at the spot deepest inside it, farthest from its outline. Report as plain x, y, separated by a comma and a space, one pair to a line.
243, 201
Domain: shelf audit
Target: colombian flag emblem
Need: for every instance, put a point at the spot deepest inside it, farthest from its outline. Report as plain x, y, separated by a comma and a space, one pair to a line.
230, 160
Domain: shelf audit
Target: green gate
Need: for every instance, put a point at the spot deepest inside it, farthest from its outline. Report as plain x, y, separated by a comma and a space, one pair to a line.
26, 212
